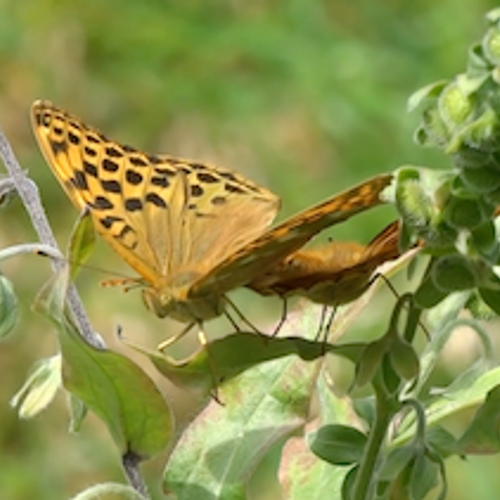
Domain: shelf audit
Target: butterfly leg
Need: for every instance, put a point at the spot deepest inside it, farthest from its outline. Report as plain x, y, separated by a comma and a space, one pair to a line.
172, 340
202, 338
242, 317
284, 314
325, 326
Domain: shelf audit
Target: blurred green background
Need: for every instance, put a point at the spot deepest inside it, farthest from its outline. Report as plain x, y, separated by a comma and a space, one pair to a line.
305, 97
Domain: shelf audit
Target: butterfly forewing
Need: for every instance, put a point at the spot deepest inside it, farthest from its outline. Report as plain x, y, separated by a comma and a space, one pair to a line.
267, 250
165, 216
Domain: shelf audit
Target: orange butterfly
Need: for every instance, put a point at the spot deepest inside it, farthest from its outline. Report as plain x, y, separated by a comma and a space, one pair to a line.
332, 275
193, 231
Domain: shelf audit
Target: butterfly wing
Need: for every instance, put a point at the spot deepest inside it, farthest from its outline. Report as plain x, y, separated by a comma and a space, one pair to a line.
334, 274
273, 246
163, 215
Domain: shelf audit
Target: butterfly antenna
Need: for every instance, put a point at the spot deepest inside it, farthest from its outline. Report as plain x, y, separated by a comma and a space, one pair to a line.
56, 256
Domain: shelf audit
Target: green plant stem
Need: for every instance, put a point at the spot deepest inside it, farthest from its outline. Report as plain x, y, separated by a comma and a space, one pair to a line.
385, 409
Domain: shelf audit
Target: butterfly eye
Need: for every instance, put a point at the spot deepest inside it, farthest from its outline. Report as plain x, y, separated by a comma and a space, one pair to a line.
153, 303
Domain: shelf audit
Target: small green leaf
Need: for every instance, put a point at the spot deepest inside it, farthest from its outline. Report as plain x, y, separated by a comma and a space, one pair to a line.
464, 213
109, 491
428, 294
338, 444
9, 308
483, 180
396, 461
369, 361
428, 94
454, 105
39, 389
82, 242
491, 46
453, 272
404, 359
491, 297
424, 476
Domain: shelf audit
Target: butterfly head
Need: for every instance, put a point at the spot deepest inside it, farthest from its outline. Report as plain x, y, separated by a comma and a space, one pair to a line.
182, 308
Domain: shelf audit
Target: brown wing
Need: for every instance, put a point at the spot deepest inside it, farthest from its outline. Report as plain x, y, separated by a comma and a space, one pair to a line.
272, 247
334, 274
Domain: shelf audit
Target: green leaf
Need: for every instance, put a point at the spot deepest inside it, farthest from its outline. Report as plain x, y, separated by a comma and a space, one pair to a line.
428, 94
338, 444
119, 392
9, 307
424, 476
305, 476
82, 242
109, 491
396, 461
227, 357
219, 451
428, 294
468, 394
482, 435
39, 389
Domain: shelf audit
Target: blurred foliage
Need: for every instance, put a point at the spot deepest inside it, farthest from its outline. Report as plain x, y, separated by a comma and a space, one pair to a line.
304, 97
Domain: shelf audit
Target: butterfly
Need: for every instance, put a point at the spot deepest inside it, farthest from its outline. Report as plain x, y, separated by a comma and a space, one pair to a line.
333, 274
192, 231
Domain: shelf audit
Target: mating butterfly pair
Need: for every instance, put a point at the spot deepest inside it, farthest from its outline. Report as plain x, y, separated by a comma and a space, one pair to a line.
194, 231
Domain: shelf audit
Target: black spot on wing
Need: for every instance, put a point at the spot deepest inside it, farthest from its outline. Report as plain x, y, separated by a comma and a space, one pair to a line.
233, 188
92, 138
73, 138
89, 151
80, 180
156, 200
113, 152
101, 203
138, 161
109, 165
111, 186
58, 147
196, 190
218, 200
207, 177
89, 168
108, 221
133, 204
160, 181
133, 177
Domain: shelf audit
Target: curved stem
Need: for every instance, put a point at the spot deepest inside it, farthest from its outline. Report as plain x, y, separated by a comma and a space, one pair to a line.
385, 410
